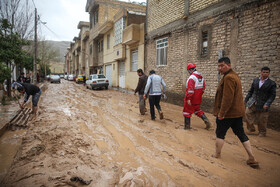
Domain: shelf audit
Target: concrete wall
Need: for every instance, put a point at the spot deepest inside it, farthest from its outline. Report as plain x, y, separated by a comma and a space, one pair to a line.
131, 79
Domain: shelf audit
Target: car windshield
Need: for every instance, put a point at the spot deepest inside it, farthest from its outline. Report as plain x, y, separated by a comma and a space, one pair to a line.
55, 76
80, 76
101, 76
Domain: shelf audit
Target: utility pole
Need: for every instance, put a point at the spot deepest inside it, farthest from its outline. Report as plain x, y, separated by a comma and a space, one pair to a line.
35, 50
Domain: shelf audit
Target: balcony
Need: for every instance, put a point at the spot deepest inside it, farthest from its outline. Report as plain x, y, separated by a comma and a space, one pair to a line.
131, 34
108, 25
119, 52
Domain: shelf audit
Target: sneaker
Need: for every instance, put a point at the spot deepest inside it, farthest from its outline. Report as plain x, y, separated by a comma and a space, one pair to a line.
160, 114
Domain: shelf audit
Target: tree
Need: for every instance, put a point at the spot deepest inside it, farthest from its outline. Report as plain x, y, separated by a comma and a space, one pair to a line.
5, 72
46, 54
11, 52
19, 15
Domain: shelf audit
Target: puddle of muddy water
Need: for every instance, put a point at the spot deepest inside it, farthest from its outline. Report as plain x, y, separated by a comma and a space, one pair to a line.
9, 144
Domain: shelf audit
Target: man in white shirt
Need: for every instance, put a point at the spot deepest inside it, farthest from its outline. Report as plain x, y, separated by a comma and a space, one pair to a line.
153, 86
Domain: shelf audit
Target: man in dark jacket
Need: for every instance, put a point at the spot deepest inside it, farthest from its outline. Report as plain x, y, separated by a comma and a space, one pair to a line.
30, 89
27, 78
21, 78
259, 98
140, 89
229, 110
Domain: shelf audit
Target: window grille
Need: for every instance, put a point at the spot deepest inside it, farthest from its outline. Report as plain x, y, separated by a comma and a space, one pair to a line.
162, 48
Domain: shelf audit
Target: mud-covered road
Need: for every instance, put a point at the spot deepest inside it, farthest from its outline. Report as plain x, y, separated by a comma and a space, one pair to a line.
98, 138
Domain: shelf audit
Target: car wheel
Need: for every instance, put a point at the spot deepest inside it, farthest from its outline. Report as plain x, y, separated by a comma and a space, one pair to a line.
106, 87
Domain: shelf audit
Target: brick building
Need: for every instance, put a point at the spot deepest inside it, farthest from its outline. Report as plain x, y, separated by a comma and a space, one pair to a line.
183, 31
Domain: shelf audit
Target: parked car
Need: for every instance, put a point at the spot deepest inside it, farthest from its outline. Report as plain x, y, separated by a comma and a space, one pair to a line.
55, 78
48, 77
97, 81
61, 76
80, 79
71, 77
66, 77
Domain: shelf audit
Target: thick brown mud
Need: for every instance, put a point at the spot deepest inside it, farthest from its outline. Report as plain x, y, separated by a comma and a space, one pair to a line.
99, 137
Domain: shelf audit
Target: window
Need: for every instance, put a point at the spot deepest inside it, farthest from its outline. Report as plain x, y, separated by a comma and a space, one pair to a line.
119, 26
90, 49
98, 46
204, 50
95, 17
90, 19
204, 41
134, 60
108, 41
162, 46
101, 45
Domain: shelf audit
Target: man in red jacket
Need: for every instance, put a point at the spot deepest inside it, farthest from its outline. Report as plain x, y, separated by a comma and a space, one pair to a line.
194, 90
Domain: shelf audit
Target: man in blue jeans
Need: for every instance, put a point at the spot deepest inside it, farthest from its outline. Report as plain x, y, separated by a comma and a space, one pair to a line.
30, 89
153, 85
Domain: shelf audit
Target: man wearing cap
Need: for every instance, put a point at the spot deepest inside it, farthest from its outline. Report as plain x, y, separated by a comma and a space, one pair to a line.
194, 90
29, 89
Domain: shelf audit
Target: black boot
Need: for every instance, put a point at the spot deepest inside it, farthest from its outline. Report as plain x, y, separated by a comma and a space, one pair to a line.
206, 121
187, 123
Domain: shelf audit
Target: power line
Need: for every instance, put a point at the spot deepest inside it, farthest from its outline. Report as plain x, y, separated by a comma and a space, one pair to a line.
50, 29
34, 3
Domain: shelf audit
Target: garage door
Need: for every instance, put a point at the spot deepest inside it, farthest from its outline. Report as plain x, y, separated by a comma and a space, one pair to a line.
109, 74
121, 75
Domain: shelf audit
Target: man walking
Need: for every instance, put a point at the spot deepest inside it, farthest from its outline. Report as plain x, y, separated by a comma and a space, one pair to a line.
30, 89
153, 85
229, 110
259, 98
140, 89
194, 90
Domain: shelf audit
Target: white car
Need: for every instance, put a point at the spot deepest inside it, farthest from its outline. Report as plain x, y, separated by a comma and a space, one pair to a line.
65, 77
55, 78
71, 77
97, 81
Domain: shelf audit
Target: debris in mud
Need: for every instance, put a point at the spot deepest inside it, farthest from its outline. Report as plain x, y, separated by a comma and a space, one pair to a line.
20, 119
79, 179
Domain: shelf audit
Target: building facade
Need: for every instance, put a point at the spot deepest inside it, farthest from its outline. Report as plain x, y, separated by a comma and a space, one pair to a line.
184, 31
108, 54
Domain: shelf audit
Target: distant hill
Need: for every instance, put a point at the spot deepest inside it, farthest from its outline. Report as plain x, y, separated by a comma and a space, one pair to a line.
61, 46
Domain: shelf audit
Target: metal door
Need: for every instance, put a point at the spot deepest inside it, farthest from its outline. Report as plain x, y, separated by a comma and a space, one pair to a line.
109, 74
121, 75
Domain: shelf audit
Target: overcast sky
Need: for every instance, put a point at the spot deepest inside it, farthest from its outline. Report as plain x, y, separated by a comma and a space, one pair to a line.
62, 17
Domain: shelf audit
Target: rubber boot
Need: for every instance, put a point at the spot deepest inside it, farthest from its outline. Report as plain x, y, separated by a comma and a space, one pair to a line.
206, 121
187, 123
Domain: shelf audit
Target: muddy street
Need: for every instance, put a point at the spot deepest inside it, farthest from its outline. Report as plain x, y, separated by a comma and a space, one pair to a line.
99, 138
